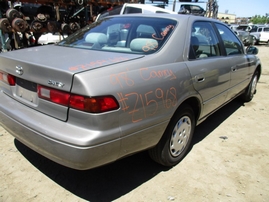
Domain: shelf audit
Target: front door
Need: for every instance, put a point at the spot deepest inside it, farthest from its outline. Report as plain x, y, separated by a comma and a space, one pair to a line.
209, 69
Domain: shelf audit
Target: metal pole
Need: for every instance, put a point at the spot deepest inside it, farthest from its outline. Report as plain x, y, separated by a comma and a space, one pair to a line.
174, 5
3, 42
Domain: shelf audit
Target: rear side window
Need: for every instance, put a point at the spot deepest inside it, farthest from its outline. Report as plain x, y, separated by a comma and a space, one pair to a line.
232, 44
132, 10
204, 41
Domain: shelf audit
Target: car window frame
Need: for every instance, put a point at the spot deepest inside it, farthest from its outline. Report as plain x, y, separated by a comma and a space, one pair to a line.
222, 42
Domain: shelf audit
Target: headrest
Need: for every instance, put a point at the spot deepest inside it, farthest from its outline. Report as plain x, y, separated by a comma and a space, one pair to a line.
194, 40
195, 43
143, 45
96, 38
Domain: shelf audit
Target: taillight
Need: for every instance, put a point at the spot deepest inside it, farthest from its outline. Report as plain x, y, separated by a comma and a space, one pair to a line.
87, 104
93, 104
8, 78
53, 95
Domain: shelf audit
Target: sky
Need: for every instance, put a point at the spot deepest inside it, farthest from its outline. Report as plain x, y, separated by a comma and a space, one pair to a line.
241, 8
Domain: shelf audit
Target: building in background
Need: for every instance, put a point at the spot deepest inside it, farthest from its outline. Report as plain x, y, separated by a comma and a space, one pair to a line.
227, 18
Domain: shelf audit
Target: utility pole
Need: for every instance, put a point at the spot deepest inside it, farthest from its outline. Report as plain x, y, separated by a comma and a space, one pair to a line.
212, 9
2, 37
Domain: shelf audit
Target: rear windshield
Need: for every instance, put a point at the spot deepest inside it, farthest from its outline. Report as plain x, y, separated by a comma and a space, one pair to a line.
134, 35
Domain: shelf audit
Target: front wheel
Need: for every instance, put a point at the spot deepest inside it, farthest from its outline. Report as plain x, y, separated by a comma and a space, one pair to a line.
176, 140
251, 89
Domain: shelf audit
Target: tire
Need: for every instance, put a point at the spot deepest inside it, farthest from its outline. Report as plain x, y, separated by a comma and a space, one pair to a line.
254, 41
19, 25
5, 25
248, 95
12, 14
176, 140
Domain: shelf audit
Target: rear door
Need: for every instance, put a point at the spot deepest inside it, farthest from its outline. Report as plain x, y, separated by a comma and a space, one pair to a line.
210, 70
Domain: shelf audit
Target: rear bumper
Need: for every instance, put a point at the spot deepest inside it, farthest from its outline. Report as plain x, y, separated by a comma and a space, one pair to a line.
59, 141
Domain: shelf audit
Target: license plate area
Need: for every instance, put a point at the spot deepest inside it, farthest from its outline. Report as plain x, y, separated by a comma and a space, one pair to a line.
26, 90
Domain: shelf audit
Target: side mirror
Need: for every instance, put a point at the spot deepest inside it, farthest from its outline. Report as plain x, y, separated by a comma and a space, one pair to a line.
252, 50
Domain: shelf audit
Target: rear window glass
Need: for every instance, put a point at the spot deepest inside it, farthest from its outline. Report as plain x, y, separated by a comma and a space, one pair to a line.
129, 10
134, 35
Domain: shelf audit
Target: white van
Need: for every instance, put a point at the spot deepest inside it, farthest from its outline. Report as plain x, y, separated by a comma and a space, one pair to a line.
128, 8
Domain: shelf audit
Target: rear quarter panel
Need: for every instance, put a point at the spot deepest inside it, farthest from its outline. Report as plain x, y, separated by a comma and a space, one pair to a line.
149, 91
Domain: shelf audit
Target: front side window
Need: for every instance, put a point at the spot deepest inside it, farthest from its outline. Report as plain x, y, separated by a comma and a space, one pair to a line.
135, 35
231, 43
204, 42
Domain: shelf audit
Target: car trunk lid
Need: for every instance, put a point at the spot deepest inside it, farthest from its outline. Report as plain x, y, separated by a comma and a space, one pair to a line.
52, 67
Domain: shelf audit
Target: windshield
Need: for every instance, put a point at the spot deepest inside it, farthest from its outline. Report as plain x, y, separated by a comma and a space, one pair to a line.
243, 27
135, 35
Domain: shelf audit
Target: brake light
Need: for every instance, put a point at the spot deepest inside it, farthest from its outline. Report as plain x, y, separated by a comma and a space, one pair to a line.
94, 104
8, 78
87, 104
53, 95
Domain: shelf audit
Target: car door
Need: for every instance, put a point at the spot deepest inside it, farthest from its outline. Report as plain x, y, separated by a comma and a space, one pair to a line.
237, 59
210, 70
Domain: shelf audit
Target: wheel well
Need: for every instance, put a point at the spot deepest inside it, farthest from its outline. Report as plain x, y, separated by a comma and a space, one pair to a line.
195, 105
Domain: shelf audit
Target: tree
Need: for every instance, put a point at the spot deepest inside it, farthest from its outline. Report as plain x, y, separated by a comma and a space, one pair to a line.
257, 19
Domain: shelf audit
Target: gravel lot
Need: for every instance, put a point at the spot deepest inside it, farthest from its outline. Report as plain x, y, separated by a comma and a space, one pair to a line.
229, 161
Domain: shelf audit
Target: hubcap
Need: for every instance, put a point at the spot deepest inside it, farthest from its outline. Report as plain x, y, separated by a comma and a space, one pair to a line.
180, 136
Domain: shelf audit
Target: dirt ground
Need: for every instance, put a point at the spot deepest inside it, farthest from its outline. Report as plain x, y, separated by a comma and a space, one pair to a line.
229, 161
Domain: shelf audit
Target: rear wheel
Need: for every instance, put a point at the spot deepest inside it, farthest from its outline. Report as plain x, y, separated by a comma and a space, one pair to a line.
251, 89
176, 139
254, 41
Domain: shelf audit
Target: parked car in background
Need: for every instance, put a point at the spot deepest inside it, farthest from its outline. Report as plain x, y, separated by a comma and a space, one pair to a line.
261, 35
191, 9
245, 37
125, 84
233, 26
244, 27
131, 8
50, 38
254, 27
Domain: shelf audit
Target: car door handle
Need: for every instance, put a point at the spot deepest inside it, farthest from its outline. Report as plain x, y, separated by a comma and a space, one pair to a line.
199, 78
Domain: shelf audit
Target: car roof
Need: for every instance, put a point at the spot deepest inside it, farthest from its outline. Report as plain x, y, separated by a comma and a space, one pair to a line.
178, 17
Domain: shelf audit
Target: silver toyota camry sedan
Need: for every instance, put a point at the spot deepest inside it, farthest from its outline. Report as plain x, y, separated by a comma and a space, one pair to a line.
122, 85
